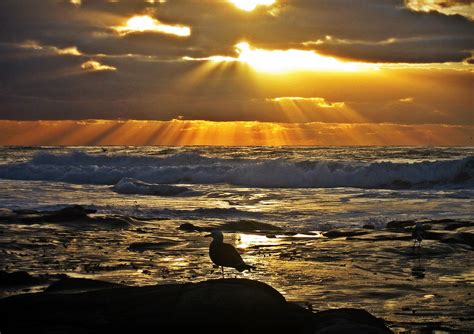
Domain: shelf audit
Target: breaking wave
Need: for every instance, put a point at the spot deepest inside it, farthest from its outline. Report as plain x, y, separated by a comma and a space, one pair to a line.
132, 186
145, 174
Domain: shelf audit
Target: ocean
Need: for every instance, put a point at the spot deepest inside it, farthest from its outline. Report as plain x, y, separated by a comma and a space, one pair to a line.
302, 188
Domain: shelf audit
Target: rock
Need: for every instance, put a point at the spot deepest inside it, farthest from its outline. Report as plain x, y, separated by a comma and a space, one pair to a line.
463, 235
346, 320
369, 226
400, 224
17, 278
248, 226
382, 236
215, 306
190, 227
70, 284
344, 232
144, 246
455, 225
69, 215
6, 214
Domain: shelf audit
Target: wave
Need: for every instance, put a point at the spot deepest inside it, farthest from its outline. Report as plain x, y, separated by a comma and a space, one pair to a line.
192, 168
133, 186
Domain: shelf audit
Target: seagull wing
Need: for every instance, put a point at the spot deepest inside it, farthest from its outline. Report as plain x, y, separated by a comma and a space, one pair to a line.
225, 255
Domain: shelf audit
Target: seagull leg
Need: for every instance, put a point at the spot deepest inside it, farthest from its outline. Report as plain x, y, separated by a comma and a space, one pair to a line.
222, 269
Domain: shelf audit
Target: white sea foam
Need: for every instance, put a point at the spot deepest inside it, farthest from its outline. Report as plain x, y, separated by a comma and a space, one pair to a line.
192, 168
132, 186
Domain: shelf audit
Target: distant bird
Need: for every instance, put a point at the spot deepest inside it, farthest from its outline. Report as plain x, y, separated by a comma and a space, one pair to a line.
225, 255
418, 234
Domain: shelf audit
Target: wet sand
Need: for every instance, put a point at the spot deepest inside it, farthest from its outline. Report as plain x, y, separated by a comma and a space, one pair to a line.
372, 269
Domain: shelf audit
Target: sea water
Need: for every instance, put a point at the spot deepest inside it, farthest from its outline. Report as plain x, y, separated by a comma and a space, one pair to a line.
301, 188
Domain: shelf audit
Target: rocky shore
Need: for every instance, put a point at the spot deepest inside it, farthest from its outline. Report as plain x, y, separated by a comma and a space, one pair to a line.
225, 305
95, 272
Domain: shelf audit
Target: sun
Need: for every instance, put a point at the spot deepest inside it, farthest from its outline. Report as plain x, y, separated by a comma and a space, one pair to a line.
250, 5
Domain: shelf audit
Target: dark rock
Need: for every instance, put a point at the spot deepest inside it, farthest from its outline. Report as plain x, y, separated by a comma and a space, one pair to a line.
248, 226
369, 226
190, 227
17, 278
144, 246
70, 284
236, 305
25, 211
463, 235
382, 236
69, 215
215, 306
344, 232
455, 225
350, 321
400, 224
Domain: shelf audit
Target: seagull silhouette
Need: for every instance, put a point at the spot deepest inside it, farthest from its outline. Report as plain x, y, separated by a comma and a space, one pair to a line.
225, 255
418, 233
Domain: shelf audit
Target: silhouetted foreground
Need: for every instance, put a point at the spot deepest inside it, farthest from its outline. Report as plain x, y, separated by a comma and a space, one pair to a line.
226, 306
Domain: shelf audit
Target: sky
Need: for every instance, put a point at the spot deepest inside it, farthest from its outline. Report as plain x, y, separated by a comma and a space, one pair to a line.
237, 72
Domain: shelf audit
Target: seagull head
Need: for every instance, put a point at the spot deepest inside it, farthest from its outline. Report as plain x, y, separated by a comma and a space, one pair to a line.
216, 235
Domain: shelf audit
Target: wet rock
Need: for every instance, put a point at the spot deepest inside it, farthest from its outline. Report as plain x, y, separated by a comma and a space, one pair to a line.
69, 215
145, 246
400, 224
17, 278
190, 227
382, 236
70, 284
463, 235
344, 232
455, 225
6, 214
248, 226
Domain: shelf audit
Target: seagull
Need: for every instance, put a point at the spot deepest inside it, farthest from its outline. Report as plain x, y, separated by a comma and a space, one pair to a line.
418, 234
225, 255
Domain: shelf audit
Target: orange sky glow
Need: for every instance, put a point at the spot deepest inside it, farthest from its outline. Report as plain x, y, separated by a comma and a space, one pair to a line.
182, 132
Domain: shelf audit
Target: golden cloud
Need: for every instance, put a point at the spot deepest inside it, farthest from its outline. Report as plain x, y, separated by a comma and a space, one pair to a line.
92, 65
145, 23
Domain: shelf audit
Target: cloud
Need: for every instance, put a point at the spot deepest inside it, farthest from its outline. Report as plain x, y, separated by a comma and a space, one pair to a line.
318, 101
250, 5
146, 23
92, 65
448, 7
33, 45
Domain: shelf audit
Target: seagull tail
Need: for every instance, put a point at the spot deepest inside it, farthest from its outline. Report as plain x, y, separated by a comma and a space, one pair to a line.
245, 266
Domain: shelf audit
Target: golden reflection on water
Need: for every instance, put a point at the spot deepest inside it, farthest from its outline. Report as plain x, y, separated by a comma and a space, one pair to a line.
249, 240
